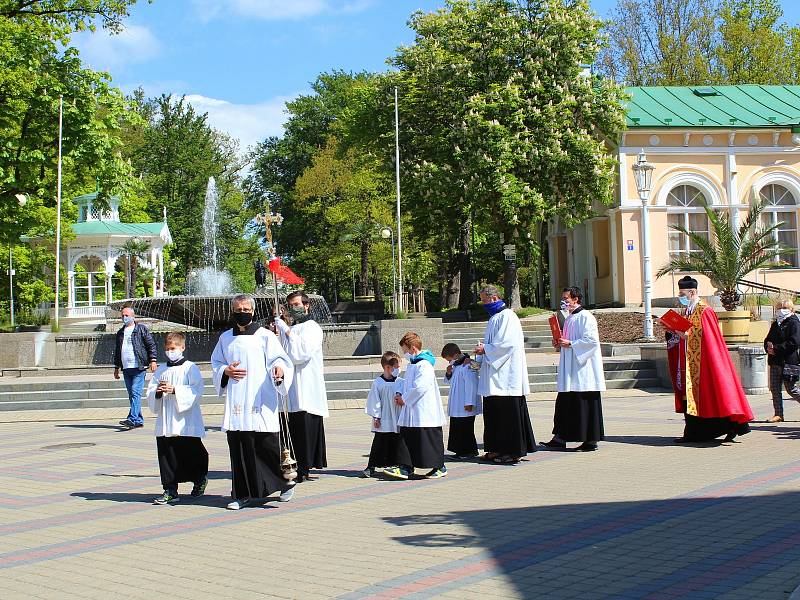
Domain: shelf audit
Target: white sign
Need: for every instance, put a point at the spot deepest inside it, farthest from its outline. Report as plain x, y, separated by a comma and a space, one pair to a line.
630, 245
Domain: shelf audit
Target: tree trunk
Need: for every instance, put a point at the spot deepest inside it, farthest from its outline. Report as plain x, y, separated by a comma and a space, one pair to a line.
444, 283
511, 279
376, 283
467, 269
543, 248
454, 278
363, 276
133, 266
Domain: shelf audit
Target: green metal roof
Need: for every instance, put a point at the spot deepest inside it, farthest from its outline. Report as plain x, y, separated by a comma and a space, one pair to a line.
92, 196
116, 228
740, 106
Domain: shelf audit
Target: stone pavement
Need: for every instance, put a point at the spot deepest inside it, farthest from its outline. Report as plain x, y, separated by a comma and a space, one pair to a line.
641, 518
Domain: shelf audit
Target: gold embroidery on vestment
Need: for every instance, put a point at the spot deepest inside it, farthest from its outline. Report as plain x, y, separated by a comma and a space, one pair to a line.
691, 374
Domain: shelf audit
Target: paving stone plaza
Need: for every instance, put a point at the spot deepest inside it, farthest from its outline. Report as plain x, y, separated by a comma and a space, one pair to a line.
641, 518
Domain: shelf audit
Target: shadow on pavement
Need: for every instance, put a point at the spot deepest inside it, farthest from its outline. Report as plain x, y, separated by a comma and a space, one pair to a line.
93, 426
682, 547
657, 440
784, 433
209, 500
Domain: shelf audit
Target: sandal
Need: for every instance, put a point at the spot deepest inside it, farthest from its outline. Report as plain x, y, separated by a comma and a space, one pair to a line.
489, 456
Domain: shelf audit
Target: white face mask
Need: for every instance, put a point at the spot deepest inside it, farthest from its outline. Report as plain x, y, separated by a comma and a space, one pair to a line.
408, 355
174, 355
395, 372
783, 313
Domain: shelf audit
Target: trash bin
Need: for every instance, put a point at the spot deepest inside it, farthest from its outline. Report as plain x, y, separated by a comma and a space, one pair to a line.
753, 370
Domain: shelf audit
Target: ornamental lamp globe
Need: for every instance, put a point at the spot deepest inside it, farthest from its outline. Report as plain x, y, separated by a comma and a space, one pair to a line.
643, 173
386, 233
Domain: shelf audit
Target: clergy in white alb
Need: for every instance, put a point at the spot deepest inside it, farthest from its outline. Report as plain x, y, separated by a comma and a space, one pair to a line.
579, 413
503, 383
463, 401
252, 372
308, 399
173, 395
388, 448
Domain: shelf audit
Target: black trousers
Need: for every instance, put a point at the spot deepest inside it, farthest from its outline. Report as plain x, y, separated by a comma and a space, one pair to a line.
578, 417
388, 450
308, 440
425, 445
255, 464
461, 439
181, 459
507, 426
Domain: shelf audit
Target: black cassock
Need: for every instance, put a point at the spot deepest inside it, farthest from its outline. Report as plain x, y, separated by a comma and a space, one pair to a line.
507, 426
578, 417
181, 459
255, 464
308, 439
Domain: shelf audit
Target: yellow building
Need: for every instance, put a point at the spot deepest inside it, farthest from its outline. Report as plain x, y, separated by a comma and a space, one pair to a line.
725, 144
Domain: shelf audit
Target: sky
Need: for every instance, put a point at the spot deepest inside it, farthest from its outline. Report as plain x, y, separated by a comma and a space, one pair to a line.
241, 60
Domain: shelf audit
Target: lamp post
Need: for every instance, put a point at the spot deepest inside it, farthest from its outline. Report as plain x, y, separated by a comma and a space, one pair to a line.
387, 233
22, 200
643, 174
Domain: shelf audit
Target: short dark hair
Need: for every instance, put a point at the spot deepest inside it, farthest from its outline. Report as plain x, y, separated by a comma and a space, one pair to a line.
390, 358
574, 292
450, 349
301, 294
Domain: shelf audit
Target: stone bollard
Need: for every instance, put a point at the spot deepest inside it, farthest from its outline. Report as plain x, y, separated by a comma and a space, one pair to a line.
753, 370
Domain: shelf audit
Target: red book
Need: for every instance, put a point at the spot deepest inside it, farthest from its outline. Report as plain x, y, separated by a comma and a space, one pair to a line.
674, 322
555, 328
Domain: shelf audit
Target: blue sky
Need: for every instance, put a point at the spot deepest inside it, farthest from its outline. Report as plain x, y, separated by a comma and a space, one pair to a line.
240, 60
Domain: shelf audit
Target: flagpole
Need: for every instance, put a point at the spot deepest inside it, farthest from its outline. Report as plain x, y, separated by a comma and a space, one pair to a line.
58, 208
401, 300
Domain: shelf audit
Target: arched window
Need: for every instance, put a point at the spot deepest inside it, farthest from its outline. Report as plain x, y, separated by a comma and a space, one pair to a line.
781, 207
685, 208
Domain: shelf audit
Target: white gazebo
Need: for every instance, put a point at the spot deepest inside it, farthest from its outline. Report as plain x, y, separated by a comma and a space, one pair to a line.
91, 257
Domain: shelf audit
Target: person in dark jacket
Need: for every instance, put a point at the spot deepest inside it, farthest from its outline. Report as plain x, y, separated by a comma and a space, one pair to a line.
782, 343
134, 354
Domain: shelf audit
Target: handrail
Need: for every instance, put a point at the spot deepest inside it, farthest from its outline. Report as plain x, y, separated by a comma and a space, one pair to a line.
768, 288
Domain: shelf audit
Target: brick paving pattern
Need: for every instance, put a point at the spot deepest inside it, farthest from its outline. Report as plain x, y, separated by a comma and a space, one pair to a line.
641, 518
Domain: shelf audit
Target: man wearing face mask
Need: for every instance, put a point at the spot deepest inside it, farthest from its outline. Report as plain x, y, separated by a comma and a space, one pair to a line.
706, 385
503, 383
308, 399
579, 415
782, 343
134, 354
252, 373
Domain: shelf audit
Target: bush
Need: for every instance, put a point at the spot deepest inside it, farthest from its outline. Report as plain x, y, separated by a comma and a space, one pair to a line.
529, 311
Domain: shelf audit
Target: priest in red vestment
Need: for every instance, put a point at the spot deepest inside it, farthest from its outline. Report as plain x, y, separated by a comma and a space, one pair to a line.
706, 385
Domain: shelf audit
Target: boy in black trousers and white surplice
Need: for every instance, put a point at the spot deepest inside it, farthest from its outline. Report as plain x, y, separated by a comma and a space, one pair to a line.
463, 403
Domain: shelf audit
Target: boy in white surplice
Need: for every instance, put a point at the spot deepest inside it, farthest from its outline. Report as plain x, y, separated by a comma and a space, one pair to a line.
173, 395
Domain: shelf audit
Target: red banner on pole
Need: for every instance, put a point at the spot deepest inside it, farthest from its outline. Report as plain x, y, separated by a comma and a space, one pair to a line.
283, 273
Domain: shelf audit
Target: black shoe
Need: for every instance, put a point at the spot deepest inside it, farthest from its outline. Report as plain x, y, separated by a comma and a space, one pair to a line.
681, 440
586, 447
554, 445
128, 423
730, 437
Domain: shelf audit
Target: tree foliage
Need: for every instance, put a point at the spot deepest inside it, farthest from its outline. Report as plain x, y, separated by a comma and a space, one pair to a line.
701, 42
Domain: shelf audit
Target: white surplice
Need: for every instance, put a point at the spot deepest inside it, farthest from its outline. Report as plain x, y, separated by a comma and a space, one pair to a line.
304, 347
580, 367
463, 392
504, 371
422, 400
177, 414
381, 405
252, 403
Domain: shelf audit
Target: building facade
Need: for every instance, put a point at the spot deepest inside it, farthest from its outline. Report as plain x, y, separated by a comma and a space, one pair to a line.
725, 145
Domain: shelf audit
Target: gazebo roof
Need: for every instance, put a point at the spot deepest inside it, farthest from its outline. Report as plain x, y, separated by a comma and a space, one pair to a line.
739, 106
95, 228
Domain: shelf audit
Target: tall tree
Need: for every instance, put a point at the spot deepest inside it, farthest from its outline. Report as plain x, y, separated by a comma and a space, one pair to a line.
500, 121
69, 15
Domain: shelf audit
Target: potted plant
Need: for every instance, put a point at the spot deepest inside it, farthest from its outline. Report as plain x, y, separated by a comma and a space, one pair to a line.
727, 256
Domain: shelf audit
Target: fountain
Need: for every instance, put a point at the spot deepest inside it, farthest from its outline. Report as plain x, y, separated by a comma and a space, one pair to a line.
206, 304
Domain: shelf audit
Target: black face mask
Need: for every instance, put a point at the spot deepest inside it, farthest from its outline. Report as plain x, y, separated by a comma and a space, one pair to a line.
242, 319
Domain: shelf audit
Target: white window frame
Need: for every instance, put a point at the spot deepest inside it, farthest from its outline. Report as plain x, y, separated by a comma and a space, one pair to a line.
684, 211
771, 210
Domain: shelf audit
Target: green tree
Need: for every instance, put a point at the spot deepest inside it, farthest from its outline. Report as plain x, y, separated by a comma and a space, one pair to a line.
68, 15
499, 121
135, 250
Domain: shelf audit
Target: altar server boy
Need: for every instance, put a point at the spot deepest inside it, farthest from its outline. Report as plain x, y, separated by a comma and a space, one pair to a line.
463, 403
421, 416
173, 395
388, 448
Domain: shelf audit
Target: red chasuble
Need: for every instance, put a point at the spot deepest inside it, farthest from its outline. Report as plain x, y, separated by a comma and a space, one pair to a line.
702, 373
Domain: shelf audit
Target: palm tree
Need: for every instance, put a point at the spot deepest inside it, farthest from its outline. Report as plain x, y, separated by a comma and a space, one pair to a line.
136, 249
728, 255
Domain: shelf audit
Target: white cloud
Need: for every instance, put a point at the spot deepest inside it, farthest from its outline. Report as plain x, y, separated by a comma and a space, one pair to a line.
105, 51
249, 123
273, 10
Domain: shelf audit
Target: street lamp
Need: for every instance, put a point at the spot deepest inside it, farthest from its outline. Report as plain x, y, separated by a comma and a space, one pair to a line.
22, 200
387, 233
643, 174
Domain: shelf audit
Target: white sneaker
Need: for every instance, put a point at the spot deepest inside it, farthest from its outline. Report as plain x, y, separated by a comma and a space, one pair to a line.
287, 495
238, 504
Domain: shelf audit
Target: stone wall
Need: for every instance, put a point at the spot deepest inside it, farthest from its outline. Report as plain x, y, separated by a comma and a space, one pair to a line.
430, 330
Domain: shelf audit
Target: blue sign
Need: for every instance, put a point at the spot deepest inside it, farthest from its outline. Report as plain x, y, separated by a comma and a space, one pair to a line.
630, 245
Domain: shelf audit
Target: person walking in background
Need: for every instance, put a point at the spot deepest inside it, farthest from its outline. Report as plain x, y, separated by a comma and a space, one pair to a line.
503, 383
579, 414
782, 344
134, 354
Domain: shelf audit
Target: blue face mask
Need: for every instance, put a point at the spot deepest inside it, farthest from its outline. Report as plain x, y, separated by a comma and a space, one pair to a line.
683, 300
564, 305
494, 307
126, 320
